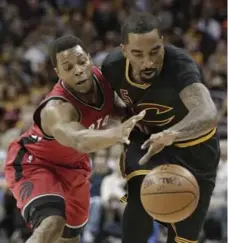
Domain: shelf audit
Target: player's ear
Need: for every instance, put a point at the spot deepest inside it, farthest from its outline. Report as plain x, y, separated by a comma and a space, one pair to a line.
90, 58
57, 71
123, 48
162, 38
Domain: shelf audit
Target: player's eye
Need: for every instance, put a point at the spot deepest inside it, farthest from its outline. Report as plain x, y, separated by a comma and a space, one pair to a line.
82, 62
138, 55
154, 53
69, 67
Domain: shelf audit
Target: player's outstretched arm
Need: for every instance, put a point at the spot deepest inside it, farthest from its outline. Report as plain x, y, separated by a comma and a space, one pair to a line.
61, 120
202, 116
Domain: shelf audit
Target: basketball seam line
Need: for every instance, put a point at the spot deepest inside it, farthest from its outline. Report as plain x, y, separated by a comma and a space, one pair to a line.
174, 211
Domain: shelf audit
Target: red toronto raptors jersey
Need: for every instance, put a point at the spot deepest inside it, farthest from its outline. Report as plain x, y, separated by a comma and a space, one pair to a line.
92, 117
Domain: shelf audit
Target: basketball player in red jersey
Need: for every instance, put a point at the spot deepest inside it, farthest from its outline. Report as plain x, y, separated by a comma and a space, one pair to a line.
47, 168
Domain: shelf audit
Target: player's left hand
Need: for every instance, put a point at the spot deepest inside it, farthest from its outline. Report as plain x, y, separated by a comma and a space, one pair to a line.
156, 143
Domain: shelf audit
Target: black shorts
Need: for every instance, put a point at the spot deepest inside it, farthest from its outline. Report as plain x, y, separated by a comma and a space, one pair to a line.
202, 160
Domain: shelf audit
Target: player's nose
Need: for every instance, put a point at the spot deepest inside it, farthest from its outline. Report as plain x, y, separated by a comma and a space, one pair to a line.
148, 63
148, 66
78, 70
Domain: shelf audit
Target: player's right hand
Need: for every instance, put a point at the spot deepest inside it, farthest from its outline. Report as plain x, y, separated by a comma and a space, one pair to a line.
128, 125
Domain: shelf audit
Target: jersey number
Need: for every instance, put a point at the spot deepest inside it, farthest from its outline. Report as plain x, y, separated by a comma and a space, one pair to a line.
100, 123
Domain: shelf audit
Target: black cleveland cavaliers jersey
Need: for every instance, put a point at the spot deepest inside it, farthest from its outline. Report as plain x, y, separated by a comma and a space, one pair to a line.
160, 98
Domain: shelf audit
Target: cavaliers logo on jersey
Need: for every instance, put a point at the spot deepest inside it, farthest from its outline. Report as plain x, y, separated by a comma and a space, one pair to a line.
161, 113
156, 114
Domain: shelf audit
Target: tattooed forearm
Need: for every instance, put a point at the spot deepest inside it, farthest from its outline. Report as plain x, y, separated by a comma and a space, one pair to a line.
202, 116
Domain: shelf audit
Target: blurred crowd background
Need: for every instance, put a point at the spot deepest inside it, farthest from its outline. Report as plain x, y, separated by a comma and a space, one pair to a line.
28, 27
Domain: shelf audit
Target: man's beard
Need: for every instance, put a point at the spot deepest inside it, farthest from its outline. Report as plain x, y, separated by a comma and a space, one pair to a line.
153, 72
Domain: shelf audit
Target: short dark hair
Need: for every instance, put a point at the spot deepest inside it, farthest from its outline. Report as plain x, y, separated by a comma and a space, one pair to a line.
63, 43
139, 23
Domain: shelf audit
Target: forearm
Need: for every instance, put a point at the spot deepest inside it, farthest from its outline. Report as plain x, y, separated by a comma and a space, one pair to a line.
73, 134
202, 116
113, 122
89, 141
197, 123
84, 140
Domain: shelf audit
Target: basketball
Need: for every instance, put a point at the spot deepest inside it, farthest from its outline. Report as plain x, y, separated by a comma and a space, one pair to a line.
170, 193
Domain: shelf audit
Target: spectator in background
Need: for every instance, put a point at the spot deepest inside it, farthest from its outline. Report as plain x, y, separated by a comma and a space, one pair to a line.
215, 227
113, 187
104, 167
105, 18
100, 171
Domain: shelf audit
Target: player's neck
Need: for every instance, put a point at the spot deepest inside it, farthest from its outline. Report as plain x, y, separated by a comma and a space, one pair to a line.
94, 93
92, 97
134, 76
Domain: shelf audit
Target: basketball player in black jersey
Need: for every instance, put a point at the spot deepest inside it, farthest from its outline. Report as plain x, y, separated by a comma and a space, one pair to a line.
179, 126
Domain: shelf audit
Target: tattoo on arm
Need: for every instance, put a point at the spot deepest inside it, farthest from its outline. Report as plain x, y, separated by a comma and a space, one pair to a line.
202, 116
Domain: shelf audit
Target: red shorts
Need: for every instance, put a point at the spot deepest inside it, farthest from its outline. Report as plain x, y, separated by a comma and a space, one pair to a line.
46, 189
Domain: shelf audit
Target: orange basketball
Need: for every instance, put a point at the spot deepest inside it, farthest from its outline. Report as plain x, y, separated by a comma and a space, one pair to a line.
170, 193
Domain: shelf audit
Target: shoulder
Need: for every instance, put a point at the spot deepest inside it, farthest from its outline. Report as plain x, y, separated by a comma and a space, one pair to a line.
52, 112
179, 60
97, 72
113, 67
57, 92
57, 109
181, 68
57, 103
113, 59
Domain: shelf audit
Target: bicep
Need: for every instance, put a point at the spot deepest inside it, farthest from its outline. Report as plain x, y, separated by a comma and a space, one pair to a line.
57, 115
196, 95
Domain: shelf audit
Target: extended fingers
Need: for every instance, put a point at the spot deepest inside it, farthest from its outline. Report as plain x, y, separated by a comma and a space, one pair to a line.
140, 116
153, 149
146, 156
153, 138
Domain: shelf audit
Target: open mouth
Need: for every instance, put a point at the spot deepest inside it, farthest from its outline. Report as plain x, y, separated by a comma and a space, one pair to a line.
148, 73
81, 82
